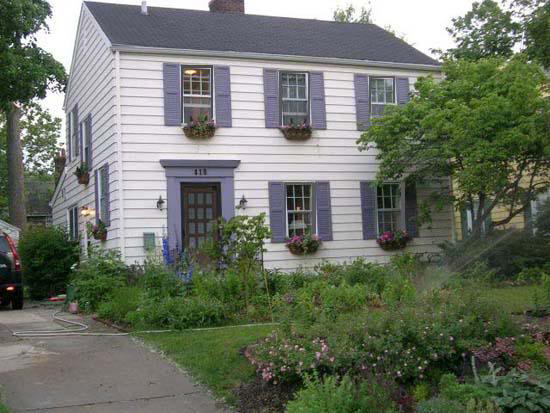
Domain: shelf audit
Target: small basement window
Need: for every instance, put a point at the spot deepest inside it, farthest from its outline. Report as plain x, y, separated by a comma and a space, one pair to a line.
294, 98
300, 210
197, 93
388, 204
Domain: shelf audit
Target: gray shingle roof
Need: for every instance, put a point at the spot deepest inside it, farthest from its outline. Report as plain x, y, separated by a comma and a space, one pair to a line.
204, 30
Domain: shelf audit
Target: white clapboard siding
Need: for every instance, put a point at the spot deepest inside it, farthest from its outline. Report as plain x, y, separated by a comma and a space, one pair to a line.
92, 88
265, 155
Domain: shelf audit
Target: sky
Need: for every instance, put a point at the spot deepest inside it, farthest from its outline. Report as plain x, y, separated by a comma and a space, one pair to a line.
423, 22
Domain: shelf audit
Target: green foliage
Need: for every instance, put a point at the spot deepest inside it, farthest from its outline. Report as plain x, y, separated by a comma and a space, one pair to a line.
333, 395
348, 15
421, 392
159, 282
398, 289
485, 31
537, 30
96, 279
476, 126
439, 405
534, 352
121, 302
26, 70
178, 313
451, 389
47, 255
519, 392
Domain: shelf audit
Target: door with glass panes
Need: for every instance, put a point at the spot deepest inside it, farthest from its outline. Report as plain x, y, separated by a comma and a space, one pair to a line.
200, 209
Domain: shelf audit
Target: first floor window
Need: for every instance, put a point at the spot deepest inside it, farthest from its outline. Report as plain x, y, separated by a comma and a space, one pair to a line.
299, 208
102, 188
294, 98
72, 222
197, 93
388, 203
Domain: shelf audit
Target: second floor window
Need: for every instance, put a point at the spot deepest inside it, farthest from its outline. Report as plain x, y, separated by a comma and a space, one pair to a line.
197, 93
73, 136
294, 98
382, 93
72, 223
85, 144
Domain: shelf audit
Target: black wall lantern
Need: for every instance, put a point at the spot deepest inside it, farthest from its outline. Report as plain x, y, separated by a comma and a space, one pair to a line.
160, 203
242, 203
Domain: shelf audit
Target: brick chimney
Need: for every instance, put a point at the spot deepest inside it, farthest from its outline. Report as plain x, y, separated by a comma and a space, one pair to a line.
227, 6
59, 164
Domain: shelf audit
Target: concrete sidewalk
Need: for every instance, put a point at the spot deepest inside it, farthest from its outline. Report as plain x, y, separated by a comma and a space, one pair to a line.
89, 374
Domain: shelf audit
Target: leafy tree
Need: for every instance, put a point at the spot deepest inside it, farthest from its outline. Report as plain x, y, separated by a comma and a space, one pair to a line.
40, 135
26, 72
348, 15
493, 29
485, 125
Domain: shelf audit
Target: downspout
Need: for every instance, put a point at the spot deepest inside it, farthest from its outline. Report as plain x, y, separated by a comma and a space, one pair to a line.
118, 127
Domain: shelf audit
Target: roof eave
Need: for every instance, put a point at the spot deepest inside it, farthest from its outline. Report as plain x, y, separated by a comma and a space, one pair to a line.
265, 56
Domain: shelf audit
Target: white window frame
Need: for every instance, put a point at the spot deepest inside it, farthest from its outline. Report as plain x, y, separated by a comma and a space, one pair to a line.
74, 230
283, 99
401, 209
183, 95
372, 79
312, 211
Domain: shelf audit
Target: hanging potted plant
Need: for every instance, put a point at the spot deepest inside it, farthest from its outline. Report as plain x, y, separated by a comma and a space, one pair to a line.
98, 231
300, 132
393, 240
82, 173
303, 244
200, 128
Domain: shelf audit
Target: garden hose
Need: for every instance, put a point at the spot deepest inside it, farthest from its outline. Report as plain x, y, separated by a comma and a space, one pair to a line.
80, 328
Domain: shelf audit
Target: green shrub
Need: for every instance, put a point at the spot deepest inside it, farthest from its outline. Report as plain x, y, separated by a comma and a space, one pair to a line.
178, 313
439, 405
122, 301
47, 255
96, 278
159, 281
398, 289
331, 395
451, 389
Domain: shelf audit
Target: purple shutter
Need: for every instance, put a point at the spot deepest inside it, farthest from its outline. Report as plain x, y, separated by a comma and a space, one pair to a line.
106, 195
277, 211
271, 98
222, 83
96, 190
318, 108
402, 89
68, 134
368, 210
89, 140
76, 129
172, 94
362, 101
324, 213
80, 140
411, 210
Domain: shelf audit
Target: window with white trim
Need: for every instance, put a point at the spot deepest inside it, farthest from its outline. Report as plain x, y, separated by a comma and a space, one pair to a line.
75, 139
85, 143
197, 93
72, 223
382, 91
294, 98
388, 205
300, 210
102, 195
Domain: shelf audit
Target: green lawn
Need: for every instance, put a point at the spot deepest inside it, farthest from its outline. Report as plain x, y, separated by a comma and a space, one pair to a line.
513, 299
212, 356
4, 409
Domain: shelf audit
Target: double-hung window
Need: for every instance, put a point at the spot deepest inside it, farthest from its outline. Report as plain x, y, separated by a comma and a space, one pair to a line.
294, 98
197, 93
388, 204
300, 209
382, 93
75, 139
85, 143
102, 183
72, 222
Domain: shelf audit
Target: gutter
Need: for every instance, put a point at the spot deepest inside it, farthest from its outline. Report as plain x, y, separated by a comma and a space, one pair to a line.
273, 57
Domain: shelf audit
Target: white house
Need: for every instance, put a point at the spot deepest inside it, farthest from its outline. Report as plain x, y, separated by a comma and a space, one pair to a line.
139, 73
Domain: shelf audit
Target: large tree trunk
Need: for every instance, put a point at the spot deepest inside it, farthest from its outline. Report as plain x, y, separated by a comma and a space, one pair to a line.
14, 152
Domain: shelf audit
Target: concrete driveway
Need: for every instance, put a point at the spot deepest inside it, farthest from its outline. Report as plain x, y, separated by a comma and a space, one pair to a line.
89, 374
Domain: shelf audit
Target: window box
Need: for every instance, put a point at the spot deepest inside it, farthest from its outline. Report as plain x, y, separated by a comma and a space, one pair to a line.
297, 133
393, 240
98, 231
303, 244
82, 173
202, 128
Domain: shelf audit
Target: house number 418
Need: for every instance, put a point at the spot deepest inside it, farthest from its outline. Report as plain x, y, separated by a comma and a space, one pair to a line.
201, 171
